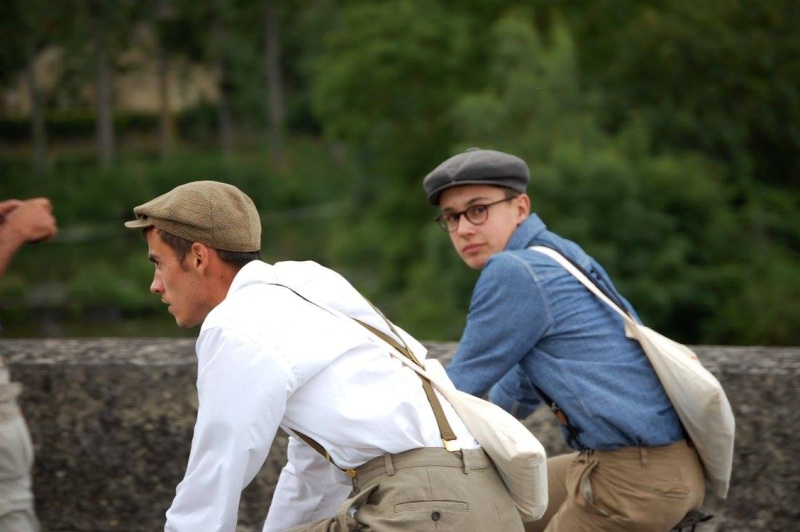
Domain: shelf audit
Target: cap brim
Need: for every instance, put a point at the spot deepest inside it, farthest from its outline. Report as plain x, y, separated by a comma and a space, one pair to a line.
138, 224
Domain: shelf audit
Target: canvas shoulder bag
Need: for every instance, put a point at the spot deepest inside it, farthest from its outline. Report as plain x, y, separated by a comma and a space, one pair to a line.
696, 395
516, 453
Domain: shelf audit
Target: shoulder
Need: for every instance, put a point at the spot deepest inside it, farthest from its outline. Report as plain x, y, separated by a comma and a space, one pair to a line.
505, 276
519, 264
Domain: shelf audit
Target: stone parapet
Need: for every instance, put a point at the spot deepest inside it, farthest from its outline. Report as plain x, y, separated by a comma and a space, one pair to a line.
112, 418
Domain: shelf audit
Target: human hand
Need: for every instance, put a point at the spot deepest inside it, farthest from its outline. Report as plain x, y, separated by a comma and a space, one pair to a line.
26, 221
7, 206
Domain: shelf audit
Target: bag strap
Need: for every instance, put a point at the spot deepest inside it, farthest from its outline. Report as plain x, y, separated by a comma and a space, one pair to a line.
449, 438
581, 276
631, 324
445, 430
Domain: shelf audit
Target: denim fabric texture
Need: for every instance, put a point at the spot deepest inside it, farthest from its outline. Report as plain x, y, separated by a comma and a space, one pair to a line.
531, 322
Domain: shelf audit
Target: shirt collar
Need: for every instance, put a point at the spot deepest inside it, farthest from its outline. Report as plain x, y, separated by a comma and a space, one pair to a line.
528, 230
255, 271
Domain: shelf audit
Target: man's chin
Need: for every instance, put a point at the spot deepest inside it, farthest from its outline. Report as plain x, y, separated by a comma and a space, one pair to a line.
185, 324
476, 263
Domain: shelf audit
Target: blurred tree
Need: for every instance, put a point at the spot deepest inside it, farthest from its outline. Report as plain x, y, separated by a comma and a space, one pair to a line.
662, 134
653, 220
93, 33
383, 84
25, 28
220, 34
276, 108
165, 14
723, 78
100, 19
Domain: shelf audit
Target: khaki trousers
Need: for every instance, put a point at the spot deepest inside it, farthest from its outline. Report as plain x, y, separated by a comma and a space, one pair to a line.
645, 489
16, 459
425, 489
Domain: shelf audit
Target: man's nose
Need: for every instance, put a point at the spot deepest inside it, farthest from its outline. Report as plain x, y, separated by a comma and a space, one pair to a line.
464, 225
156, 287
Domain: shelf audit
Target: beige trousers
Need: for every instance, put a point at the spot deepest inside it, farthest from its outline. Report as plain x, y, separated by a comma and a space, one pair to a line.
647, 489
16, 459
425, 489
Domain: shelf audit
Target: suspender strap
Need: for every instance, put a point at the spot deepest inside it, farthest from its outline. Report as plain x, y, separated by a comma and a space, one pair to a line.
445, 430
573, 432
448, 436
351, 472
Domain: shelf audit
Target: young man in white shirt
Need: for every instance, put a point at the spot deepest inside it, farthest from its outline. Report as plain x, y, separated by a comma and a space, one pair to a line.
278, 349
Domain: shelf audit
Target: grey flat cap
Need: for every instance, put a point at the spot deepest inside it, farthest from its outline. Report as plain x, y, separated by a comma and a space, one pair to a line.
216, 214
477, 167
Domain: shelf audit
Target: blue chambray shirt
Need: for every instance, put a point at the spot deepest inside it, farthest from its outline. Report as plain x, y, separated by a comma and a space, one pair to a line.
531, 321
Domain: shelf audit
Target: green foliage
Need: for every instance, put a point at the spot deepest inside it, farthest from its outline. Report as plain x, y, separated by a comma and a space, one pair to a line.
74, 126
652, 220
101, 284
96, 263
760, 309
435, 304
721, 77
382, 68
662, 136
12, 286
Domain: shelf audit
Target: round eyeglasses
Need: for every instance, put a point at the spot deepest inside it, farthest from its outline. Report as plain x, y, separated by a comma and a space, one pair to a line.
476, 214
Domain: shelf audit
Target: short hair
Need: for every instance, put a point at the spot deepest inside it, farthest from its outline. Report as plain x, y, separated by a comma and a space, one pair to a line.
181, 247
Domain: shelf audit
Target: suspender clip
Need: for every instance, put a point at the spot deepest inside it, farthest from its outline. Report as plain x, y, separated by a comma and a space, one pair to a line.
451, 445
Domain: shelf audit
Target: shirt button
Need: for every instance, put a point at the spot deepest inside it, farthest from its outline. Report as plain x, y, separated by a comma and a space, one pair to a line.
436, 516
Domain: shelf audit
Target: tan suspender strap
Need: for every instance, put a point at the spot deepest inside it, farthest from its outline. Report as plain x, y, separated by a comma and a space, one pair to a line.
321, 450
448, 436
445, 430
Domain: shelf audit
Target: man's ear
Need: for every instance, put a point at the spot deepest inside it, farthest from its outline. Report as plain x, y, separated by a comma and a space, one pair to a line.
199, 256
523, 203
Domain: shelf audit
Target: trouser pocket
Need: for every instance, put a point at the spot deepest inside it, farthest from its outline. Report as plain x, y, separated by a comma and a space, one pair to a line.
345, 517
579, 484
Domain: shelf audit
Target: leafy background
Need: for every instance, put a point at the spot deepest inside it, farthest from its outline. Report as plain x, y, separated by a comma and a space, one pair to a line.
663, 136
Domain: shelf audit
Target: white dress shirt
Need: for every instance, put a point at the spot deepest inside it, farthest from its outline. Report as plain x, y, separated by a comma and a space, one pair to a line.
269, 359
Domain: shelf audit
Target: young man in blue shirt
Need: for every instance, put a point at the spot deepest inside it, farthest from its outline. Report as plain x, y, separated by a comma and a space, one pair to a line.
534, 334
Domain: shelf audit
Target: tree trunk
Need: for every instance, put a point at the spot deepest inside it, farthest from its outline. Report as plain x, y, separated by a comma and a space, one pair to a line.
224, 113
102, 76
38, 127
167, 117
225, 116
276, 109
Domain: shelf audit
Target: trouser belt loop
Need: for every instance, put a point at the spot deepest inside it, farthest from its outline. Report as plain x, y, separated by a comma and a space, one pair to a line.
465, 460
643, 456
387, 462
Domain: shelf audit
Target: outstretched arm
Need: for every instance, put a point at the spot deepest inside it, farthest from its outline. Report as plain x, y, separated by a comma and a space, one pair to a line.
22, 222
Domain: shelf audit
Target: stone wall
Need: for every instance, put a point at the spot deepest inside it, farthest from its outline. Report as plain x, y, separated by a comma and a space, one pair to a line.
112, 421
